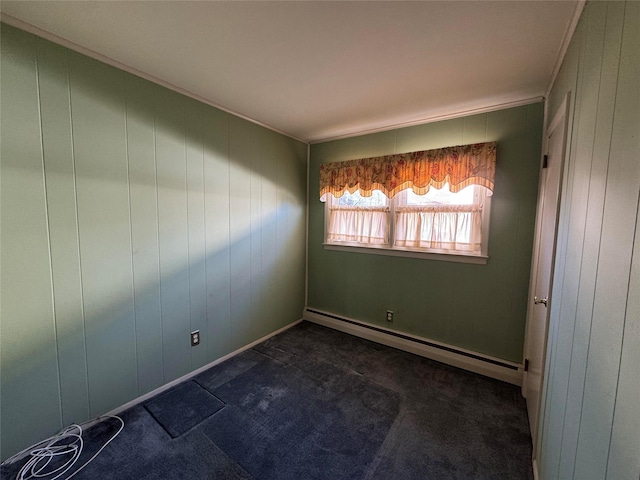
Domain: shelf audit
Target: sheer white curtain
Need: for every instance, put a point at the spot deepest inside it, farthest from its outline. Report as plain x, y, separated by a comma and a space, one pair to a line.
446, 227
358, 225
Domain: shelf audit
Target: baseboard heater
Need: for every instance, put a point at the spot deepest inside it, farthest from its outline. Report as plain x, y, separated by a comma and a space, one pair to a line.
458, 357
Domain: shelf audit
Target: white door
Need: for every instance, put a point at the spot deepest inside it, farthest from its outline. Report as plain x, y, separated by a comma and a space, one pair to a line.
542, 269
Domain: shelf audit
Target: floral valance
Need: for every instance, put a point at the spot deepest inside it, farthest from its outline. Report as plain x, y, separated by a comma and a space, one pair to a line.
460, 166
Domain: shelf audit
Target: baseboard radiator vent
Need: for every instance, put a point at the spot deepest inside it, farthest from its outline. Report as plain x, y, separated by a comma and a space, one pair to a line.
504, 370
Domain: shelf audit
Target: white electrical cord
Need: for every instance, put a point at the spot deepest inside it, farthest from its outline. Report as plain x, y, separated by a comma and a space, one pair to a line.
67, 442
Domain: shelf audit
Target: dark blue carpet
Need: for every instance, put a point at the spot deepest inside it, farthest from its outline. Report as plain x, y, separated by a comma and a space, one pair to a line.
313, 403
280, 423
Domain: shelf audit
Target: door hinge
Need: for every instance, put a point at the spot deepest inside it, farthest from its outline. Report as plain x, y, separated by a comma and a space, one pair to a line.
545, 161
526, 364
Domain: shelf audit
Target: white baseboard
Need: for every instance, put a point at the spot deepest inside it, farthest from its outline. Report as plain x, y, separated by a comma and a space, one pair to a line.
497, 368
192, 374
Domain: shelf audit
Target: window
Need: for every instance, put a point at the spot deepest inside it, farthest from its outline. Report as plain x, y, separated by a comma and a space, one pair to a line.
436, 222
430, 201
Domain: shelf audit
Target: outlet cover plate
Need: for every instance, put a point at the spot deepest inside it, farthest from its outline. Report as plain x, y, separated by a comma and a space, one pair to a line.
195, 338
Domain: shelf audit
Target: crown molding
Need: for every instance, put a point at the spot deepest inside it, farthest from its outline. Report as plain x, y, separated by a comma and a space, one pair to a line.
564, 46
27, 27
434, 118
9, 20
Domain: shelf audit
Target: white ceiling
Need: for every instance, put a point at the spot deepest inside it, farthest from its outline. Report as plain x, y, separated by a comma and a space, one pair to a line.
318, 70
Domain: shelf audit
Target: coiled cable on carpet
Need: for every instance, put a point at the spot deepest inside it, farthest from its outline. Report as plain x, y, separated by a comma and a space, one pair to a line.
67, 442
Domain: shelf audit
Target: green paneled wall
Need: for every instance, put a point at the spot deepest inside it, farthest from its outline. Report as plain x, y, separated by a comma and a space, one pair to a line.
590, 427
131, 215
477, 307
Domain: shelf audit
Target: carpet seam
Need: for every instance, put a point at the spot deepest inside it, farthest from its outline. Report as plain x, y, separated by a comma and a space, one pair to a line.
224, 405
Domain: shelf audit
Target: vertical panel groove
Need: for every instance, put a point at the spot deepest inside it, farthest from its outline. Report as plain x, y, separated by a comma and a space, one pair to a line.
46, 213
624, 318
133, 272
579, 285
155, 164
230, 319
624, 323
206, 242
187, 220
75, 196
204, 227
623, 456
28, 343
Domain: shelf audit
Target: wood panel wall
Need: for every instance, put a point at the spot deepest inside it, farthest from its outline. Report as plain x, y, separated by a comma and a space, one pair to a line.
590, 427
131, 215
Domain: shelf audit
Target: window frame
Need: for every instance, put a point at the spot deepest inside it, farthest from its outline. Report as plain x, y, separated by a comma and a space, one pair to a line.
390, 250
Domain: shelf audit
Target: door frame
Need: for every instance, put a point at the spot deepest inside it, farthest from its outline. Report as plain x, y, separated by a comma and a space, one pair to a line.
560, 119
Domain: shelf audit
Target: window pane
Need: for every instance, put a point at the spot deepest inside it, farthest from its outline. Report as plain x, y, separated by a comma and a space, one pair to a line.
442, 197
357, 219
354, 225
377, 199
440, 220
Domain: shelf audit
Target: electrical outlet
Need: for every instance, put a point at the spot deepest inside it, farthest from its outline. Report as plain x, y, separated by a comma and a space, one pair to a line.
195, 338
389, 316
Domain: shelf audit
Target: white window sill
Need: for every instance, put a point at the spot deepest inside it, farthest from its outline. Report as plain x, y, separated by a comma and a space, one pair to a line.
399, 252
